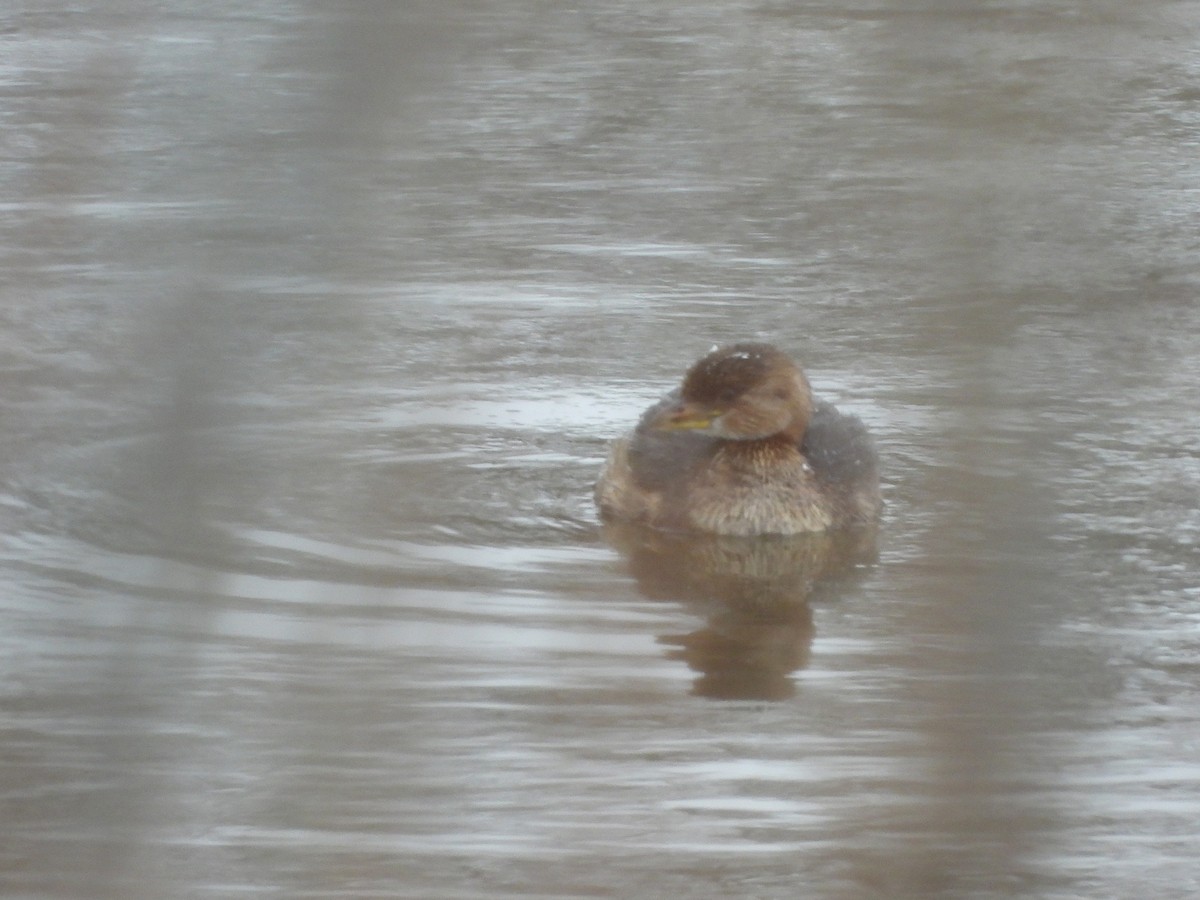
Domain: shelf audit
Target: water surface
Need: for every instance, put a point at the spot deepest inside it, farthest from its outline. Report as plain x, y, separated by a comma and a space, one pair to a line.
316, 325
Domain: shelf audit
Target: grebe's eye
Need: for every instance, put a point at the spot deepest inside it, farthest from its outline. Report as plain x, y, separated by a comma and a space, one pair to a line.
727, 396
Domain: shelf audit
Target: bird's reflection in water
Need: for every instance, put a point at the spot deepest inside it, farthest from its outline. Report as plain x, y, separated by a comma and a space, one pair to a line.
755, 596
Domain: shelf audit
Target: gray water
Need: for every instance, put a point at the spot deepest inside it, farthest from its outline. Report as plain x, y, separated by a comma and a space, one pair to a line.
316, 320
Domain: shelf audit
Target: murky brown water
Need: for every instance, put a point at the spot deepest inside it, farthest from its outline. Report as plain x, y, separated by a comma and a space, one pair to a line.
317, 319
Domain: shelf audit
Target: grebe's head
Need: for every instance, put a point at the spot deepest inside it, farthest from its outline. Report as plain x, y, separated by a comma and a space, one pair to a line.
742, 392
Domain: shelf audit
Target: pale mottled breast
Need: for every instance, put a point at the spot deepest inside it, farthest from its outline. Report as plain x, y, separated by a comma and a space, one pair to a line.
694, 481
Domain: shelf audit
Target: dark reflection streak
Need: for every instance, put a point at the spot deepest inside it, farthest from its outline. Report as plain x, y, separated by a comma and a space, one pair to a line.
154, 657
980, 711
971, 826
120, 717
206, 345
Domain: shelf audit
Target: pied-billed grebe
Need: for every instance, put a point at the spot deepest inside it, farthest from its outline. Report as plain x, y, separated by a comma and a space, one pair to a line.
742, 449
